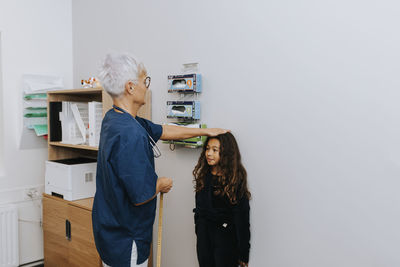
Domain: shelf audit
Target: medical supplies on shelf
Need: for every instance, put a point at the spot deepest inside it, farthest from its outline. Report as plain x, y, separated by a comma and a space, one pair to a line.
193, 142
186, 83
186, 110
183, 110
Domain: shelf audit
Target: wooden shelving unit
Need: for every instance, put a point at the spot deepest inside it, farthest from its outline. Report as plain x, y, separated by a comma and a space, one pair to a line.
74, 247
74, 146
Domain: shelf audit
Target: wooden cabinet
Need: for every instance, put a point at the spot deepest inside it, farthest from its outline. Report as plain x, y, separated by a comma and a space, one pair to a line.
82, 248
55, 213
67, 229
67, 225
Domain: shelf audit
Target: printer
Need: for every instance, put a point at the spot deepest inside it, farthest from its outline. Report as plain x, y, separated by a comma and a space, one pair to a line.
71, 179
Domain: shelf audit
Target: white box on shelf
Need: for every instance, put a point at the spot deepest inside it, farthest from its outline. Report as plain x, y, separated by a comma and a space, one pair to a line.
71, 179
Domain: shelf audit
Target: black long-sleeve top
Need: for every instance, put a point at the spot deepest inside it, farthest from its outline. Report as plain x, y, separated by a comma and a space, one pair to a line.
218, 209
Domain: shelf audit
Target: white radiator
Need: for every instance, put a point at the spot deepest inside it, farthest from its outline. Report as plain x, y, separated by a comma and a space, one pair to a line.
9, 254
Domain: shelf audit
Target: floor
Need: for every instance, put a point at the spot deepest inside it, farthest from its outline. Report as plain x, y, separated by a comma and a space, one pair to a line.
33, 264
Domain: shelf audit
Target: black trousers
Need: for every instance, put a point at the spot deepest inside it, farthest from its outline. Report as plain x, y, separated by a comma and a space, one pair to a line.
216, 244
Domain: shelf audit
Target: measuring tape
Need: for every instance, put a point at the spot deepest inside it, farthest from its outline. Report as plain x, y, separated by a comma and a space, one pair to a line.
160, 215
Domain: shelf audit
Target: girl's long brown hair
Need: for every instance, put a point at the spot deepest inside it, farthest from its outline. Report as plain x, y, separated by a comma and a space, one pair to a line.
233, 180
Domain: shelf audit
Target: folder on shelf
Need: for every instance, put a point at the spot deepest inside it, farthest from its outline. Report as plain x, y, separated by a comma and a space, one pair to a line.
79, 122
55, 109
95, 118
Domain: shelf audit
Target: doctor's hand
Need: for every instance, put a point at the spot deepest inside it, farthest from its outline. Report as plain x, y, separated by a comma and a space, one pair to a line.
216, 131
164, 184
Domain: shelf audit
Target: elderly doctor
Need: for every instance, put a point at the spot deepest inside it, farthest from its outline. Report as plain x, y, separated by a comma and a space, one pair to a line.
127, 185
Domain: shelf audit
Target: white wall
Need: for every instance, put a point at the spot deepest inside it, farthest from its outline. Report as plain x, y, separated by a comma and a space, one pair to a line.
310, 90
1, 115
36, 38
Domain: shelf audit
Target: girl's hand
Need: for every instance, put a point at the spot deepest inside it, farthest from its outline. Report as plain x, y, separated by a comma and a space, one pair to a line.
216, 131
243, 264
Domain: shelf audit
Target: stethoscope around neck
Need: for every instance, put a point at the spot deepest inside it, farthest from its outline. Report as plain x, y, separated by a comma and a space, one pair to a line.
156, 150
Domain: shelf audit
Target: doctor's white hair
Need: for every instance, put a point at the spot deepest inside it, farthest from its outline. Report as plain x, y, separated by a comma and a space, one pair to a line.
116, 70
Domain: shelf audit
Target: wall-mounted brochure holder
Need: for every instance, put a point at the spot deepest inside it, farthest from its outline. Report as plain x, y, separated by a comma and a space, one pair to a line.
34, 121
186, 83
35, 100
189, 110
34, 105
35, 112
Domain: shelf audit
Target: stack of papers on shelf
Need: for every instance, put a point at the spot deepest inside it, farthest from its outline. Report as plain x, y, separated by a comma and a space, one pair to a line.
74, 119
81, 123
35, 89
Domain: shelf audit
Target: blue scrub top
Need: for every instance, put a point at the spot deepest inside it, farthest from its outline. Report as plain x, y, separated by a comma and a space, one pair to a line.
125, 176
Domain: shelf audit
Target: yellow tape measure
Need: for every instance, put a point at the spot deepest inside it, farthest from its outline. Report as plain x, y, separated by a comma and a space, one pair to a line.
160, 215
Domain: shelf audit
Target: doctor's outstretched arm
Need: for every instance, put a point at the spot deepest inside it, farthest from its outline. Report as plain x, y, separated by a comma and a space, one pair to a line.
172, 132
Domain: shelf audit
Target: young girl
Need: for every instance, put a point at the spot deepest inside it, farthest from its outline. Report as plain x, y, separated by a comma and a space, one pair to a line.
222, 205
